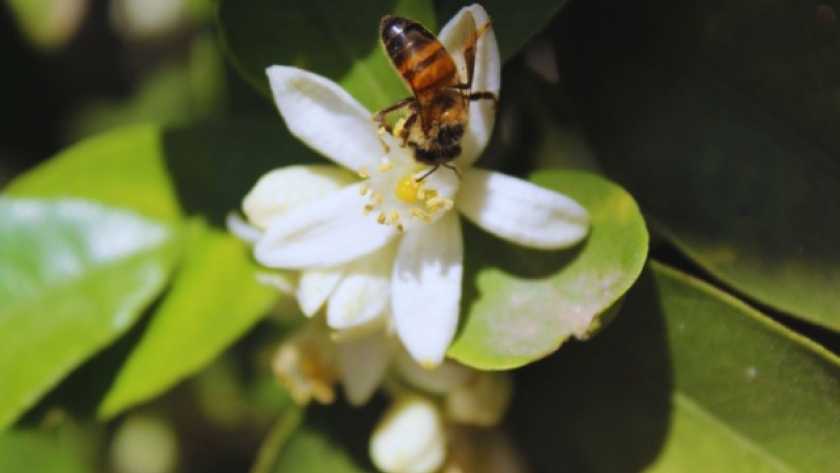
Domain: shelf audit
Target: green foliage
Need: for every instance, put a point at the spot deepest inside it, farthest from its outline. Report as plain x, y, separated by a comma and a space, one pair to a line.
727, 139
718, 117
687, 378
75, 276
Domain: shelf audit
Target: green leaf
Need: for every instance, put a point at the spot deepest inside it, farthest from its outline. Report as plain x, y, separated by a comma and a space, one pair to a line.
725, 132
687, 379
526, 303
123, 168
75, 276
515, 23
214, 299
339, 40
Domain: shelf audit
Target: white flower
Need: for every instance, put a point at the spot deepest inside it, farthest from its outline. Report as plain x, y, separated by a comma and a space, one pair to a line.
372, 243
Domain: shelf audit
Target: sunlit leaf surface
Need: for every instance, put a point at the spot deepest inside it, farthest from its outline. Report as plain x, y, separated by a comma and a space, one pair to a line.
75, 276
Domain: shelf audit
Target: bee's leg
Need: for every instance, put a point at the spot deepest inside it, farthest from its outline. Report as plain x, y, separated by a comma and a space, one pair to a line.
449, 166
484, 95
435, 168
405, 129
381, 118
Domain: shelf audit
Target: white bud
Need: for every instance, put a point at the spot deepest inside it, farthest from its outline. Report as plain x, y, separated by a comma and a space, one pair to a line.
410, 437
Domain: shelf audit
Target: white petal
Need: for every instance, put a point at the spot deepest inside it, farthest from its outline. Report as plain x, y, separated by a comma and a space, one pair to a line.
487, 77
325, 117
410, 438
363, 293
426, 289
362, 363
329, 231
283, 282
521, 212
242, 229
315, 287
281, 190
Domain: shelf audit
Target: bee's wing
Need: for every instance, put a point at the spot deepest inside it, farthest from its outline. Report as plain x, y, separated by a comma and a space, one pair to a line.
461, 46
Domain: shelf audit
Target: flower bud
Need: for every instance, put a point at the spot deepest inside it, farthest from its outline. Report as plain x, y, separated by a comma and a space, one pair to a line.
410, 438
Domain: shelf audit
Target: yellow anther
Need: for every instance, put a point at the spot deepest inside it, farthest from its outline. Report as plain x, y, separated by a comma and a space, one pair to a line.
363, 172
363, 190
434, 203
377, 197
400, 228
394, 216
421, 215
380, 131
368, 209
386, 165
381, 218
406, 189
448, 203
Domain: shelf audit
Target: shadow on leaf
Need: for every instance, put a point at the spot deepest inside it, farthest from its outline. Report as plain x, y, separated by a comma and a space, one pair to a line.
603, 405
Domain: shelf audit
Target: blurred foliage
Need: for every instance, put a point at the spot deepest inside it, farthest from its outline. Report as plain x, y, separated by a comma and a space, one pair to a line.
130, 321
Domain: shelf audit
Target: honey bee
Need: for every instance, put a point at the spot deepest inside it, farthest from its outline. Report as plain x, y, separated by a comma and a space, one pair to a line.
438, 110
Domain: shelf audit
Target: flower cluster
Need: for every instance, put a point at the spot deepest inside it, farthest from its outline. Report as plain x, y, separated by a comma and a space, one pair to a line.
379, 252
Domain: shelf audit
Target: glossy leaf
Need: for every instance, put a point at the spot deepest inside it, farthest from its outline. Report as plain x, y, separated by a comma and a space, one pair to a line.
515, 23
212, 302
123, 168
339, 40
75, 276
721, 118
686, 379
526, 303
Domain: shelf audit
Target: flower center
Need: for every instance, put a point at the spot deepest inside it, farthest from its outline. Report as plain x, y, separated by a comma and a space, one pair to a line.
395, 197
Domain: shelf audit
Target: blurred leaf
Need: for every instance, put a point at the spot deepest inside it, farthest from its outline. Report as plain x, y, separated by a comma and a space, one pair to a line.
330, 439
515, 23
528, 302
75, 276
123, 168
214, 299
49, 24
37, 452
721, 118
339, 40
172, 94
687, 379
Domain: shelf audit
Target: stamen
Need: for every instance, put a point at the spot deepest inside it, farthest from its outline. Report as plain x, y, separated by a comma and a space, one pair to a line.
400, 228
368, 209
363, 190
421, 215
394, 216
386, 165
377, 197
363, 172
381, 218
